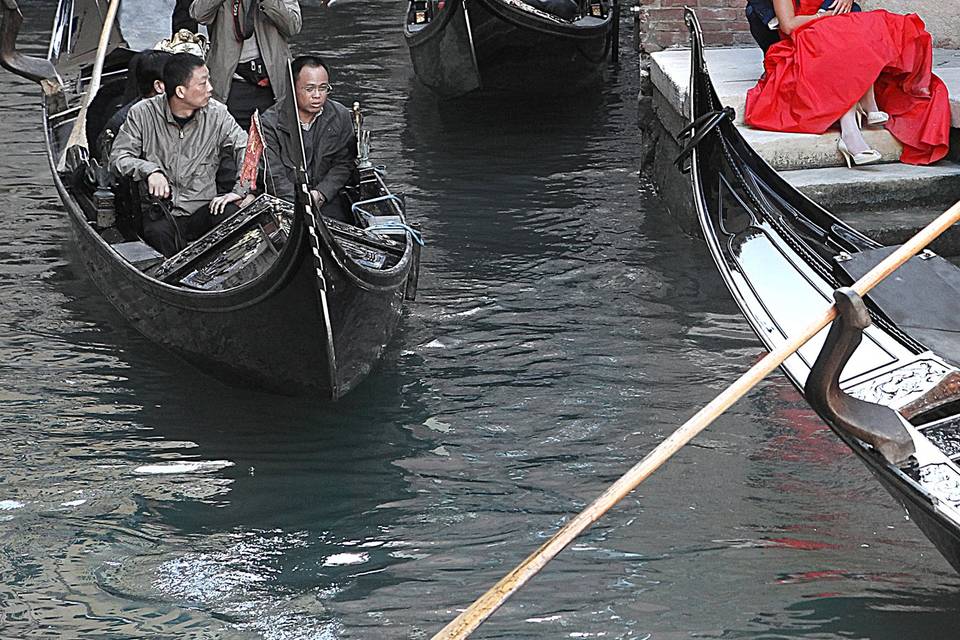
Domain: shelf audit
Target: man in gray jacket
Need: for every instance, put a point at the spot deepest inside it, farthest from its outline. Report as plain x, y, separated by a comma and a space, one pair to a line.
173, 143
329, 141
248, 50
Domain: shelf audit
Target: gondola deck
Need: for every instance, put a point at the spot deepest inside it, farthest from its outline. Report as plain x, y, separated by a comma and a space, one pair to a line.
782, 257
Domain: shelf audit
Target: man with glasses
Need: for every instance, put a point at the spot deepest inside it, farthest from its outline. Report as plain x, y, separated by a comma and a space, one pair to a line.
329, 142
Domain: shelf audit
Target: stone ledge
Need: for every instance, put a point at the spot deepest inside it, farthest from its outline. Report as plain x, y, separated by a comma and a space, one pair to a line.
735, 70
874, 187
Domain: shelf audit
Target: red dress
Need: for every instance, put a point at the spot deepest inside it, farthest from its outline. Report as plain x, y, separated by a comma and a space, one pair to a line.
815, 75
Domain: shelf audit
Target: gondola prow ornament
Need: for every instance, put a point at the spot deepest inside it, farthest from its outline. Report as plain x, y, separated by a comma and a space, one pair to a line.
363, 139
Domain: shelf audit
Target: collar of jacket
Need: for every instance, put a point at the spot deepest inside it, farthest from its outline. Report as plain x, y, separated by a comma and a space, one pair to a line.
164, 104
283, 119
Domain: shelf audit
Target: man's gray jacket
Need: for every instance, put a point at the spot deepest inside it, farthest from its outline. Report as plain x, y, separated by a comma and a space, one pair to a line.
275, 22
330, 145
151, 140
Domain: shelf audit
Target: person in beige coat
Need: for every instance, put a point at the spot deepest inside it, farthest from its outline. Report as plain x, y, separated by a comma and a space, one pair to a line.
248, 50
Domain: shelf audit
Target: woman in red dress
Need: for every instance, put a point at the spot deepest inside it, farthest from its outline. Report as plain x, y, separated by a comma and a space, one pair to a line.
841, 67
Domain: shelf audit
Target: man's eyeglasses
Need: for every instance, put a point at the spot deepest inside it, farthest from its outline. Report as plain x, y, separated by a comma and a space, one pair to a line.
323, 87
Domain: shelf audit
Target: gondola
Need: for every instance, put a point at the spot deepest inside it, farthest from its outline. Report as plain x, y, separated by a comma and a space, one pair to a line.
885, 376
275, 297
513, 46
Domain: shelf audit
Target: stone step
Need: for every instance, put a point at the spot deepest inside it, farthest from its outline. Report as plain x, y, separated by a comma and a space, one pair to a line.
897, 225
877, 187
792, 151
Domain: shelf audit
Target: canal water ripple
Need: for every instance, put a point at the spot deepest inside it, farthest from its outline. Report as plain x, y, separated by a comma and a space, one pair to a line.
564, 326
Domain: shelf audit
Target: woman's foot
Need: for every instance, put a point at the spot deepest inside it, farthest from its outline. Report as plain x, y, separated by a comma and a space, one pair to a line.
866, 156
868, 107
874, 118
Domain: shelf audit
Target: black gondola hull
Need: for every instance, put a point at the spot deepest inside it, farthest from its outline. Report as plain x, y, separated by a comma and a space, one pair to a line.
491, 45
270, 337
782, 256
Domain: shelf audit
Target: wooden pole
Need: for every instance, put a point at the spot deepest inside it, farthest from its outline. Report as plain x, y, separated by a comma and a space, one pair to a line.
464, 624
78, 135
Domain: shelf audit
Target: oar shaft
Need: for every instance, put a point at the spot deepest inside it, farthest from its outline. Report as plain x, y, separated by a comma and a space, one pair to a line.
78, 135
471, 618
97, 73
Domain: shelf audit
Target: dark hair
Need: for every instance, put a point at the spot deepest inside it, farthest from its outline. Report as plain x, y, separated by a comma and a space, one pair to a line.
177, 71
307, 61
145, 68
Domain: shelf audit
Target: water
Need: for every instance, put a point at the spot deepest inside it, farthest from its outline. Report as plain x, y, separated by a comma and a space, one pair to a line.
564, 327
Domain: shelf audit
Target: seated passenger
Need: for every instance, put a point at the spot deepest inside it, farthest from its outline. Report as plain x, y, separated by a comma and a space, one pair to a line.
329, 142
764, 26
172, 142
144, 80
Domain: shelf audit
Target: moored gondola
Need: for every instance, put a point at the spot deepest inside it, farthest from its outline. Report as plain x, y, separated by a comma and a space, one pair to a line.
515, 46
274, 297
885, 377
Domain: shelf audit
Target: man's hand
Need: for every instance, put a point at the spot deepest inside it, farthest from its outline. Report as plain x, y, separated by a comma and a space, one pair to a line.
841, 6
158, 185
318, 199
218, 204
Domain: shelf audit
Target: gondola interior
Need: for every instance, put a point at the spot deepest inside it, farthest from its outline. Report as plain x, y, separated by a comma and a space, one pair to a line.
240, 249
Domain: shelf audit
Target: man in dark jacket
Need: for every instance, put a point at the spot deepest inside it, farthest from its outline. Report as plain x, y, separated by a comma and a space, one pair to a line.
329, 141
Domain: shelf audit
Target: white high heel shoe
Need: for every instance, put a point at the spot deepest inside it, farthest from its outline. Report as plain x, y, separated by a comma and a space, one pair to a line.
874, 118
864, 157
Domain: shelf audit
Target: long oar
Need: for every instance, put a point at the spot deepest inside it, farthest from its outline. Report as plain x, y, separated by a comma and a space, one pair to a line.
464, 624
78, 136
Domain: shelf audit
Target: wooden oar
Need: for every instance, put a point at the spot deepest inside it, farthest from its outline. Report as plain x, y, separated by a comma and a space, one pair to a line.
464, 624
78, 136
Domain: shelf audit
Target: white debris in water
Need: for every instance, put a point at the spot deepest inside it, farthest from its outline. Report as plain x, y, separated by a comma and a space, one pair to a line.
437, 425
341, 559
440, 451
72, 503
434, 344
545, 619
170, 468
10, 505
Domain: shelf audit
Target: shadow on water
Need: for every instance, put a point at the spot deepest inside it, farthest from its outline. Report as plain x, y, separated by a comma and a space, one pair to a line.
504, 174
897, 612
204, 505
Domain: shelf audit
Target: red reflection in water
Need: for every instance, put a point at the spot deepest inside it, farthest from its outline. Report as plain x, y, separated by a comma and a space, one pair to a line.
803, 545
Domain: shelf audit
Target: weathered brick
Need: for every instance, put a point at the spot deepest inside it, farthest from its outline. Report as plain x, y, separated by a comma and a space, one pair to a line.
723, 22
665, 14
722, 38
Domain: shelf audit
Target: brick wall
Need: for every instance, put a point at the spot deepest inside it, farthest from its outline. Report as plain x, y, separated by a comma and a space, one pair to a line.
661, 23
